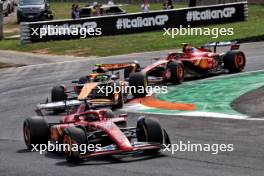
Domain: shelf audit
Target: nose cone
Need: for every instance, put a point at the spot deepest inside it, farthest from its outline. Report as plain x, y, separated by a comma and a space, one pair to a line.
117, 136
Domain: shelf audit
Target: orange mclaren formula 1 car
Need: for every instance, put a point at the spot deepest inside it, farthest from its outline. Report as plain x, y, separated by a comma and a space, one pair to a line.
103, 87
82, 127
191, 62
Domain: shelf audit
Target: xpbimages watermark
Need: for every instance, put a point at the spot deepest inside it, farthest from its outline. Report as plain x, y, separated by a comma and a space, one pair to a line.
55, 30
108, 90
196, 147
57, 147
190, 31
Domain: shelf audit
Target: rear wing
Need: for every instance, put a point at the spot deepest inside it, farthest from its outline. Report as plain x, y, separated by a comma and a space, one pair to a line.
234, 45
116, 66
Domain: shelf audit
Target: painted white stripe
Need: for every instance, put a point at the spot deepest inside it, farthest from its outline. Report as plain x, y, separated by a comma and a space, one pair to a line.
137, 108
212, 114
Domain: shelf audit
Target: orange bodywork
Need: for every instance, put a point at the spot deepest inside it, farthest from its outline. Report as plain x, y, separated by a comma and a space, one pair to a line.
86, 90
116, 66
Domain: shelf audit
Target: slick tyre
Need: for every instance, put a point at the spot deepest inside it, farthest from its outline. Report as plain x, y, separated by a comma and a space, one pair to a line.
35, 131
127, 72
58, 94
73, 135
176, 72
234, 61
139, 81
149, 130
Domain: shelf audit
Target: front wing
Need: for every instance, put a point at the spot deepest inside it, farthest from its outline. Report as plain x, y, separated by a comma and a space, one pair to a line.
113, 150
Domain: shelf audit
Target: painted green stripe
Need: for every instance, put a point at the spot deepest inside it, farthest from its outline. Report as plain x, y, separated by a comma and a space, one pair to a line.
212, 95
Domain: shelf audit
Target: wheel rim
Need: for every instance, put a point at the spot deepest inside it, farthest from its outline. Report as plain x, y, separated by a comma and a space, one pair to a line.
180, 72
240, 61
26, 135
67, 141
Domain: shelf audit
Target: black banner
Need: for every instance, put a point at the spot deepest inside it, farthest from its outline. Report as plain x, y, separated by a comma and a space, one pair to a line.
136, 22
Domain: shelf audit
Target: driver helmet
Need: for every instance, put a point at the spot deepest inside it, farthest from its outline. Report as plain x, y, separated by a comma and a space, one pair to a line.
137, 64
99, 69
187, 48
101, 78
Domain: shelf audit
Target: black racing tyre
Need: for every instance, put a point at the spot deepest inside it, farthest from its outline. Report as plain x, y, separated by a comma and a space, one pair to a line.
177, 72
78, 135
234, 61
83, 80
35, 131
127, 72
58, 94
138, 82
149, 130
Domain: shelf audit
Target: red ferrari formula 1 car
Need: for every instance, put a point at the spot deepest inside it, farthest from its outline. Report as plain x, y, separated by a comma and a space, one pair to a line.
191, 62
100, 128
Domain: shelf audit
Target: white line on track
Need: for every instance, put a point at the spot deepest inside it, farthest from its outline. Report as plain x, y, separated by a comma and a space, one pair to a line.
139, 107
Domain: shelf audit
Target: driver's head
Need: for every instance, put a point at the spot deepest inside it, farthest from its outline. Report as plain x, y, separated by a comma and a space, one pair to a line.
99, 69
187, 48
136, 63
101, 78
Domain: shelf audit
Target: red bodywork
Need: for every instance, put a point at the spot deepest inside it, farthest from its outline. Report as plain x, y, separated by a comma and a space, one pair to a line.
201, 59
99, 122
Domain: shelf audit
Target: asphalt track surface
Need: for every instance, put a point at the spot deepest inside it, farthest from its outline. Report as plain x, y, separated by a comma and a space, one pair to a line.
22, 88
244, 102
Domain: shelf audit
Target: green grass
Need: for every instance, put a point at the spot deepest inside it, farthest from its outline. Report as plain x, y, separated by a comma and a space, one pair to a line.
63, 11
149, 41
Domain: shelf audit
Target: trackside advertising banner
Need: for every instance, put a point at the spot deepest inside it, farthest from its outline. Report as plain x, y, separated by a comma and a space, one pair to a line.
132, 23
